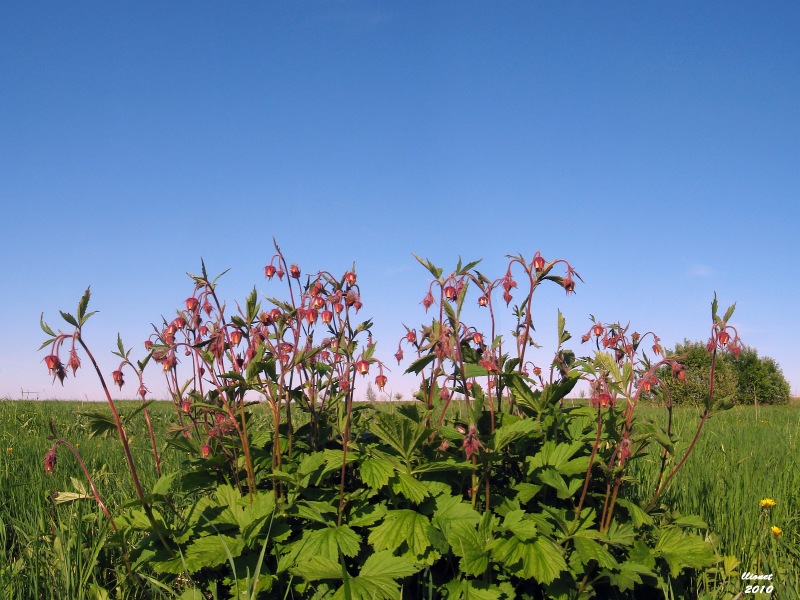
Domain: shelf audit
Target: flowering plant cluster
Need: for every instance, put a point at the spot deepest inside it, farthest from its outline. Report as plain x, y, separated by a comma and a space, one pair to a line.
487, 485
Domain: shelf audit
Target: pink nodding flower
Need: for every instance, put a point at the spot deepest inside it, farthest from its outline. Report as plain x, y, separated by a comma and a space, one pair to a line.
192, 304
569, 282
399, 355
350, 278
53, 362
50, 459
380, 381
74, 361
427, 301
471, 442
538, 261
269, 271
117, 377
294, 271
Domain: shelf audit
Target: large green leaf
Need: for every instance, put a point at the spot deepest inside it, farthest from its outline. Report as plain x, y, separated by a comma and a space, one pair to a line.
327, 543
589, 550
208, 551
375, 472
400, 527
377, 579
682, 550
513, 431
540, 559
457, 521
408, 486
401, 433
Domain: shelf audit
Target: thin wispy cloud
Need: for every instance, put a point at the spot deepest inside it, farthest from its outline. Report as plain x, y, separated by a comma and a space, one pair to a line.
700, 271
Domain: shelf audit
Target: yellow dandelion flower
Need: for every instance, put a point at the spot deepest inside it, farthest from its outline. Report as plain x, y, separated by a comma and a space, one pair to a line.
767, 503
9, 449
776, 531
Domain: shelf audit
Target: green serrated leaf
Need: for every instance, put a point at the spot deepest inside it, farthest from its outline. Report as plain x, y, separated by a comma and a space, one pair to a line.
69, 318
161, 487
408, 486
729, 312
82, 304
400, 527
418, 365
682, 550
46, 328
376, 472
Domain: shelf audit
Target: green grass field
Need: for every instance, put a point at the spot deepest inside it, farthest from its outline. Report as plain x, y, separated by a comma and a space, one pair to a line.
52, 550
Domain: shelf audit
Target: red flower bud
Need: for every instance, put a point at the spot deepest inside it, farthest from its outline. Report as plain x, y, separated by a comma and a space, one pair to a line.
316, 289
362, 367
50, 459
569, 283
338, 307
450, 292
427, 301
538, 261
679, 372
269, 271
380, 381
186, 406
280, 273
411, 337
169, 362
294, 271
399, 355
724, 337
477, 338
117, 377
236, 337
205, 450
350, 278
327, 316
597, 329
74, 361
318, 302
275, 314
483, 301
192, 304
53, 362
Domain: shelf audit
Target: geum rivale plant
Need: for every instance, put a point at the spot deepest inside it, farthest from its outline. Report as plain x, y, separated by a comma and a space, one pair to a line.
489, 485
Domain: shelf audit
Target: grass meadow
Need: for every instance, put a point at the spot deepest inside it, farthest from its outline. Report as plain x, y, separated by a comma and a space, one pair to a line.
52, 550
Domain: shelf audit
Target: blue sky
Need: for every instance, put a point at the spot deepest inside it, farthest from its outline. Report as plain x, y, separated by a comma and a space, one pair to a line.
654, 146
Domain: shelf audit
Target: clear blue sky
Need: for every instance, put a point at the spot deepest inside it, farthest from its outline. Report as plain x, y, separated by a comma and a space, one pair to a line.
654, 145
